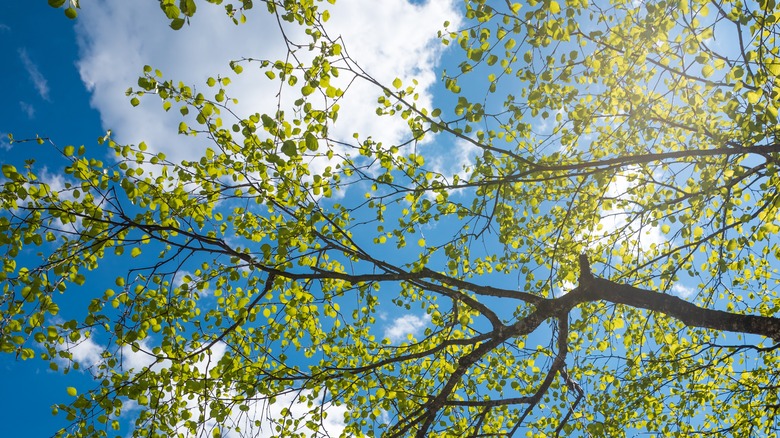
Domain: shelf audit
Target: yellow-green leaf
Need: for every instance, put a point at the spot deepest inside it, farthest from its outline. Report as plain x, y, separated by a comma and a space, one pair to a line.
311, 142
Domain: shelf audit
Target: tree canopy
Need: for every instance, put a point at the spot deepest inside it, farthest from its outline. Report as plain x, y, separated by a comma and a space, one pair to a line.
604, 264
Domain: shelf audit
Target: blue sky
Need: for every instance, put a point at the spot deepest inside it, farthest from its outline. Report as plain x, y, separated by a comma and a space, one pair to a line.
66, 79
43, 95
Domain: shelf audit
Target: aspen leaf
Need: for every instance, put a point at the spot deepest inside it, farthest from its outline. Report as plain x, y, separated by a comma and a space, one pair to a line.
289, 148
8, 170
311, 142
177, 23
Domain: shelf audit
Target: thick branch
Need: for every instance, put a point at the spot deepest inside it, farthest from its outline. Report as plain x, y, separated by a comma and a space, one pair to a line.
595, 289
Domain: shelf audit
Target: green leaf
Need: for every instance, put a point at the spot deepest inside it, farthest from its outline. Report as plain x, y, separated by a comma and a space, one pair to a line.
72, 391
397, 83
56, 3
171, 10
9, 170
311, 142
188, 7
289, 148
177, 23
135, 252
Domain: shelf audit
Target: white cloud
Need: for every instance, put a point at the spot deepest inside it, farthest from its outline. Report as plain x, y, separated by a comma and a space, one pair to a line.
332, 425
563, 288
5, 27
137, 359
88, 354
682, 291
5, 143
452, 162
85, 351
41, 85
56, 181
27, 109
388, 39
260, 410
192, 282
406, 325
616, 219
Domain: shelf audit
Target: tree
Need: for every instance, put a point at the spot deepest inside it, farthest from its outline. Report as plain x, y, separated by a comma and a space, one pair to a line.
610, 265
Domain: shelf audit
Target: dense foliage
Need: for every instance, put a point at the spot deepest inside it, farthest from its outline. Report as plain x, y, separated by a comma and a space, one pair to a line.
604, 265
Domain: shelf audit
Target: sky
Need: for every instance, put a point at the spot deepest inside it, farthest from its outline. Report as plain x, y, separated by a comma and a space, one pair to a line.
43, 95
65, 80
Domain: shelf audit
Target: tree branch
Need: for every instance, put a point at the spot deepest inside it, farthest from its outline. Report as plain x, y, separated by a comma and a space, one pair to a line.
595, 289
